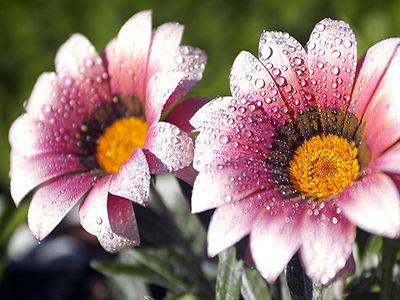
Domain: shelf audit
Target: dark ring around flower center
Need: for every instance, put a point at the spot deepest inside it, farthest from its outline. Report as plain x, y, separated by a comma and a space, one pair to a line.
102, 117
307, 125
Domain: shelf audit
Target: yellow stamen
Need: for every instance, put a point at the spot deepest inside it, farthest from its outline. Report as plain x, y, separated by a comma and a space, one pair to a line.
118, 141
324, 165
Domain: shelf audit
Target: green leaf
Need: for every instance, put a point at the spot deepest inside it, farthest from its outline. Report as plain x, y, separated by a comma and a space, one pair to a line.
390, 249
254, 287
229, 280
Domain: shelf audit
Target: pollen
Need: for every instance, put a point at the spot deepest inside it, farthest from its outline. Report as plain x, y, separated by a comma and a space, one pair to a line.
324, 165
119, 141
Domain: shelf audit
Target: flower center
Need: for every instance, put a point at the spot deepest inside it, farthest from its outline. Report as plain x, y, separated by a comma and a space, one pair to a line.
324, 165
118, 141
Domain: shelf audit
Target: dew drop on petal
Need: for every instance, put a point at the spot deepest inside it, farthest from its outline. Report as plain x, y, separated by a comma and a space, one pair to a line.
347, 43
260, 83
264, 52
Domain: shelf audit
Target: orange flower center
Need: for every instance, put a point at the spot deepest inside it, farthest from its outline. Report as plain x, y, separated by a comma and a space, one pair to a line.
324, 165
118, 141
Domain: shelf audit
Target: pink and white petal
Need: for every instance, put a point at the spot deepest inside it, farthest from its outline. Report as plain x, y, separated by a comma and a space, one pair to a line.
167, 148
327, 241
332, 57
228, 180
29, 136
35, 170
370, 69
187, 174
286, 61
110, 218
388, 162
132, 181
166, 38
373, 204
233, 221
253, 86
128, 60
159, 89
227, 129
276, 235
15, 160
382, 115
181, 113
348, 269
77, 60
54, 199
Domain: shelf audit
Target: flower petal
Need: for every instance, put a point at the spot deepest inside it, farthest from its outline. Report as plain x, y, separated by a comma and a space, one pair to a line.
35, 170
276, 235
228, 180
159, 89
110, 218
253, 86
132, 181
77, 60
29, 136
187, 174
231, 222
183, 111
388, 162
327, 242
54, 199
373, 204
369, 73
167, 148
382, 115
127, 56
228, 129
332, 55
286, 61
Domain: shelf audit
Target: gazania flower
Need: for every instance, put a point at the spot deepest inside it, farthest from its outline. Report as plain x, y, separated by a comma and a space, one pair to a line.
93, 130
306, 149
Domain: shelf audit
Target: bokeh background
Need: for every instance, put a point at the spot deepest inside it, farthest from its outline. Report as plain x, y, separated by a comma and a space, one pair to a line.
31, 31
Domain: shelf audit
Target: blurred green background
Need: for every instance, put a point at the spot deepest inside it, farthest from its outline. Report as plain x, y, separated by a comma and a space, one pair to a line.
31, 31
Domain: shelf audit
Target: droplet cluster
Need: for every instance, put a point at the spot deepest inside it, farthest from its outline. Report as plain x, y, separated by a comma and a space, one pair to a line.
332, 57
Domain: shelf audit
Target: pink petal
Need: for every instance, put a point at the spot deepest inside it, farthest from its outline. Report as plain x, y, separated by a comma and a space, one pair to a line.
35, 170
127, 56
370, 69
132, 181
160, 88
62, 101
227, 129
228, 180
187, 174
252, 85
276, 235
77, 60
373, 204
332, 56
110, 218
54, 199
165, 41
327, 241
382, 114
183, 111
29, 136
231, 222
388, 162
167, 148
286, 61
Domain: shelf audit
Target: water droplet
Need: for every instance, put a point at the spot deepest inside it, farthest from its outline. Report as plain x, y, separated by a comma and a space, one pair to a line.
264, 52
311, 46
335, 70
179, 59
260, 83
320, 27
280, 80
224, 139
336, 54
99, 221
347, 44
315, 35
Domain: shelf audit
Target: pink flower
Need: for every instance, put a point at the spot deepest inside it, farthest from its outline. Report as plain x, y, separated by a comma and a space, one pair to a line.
93, 130
306, 149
